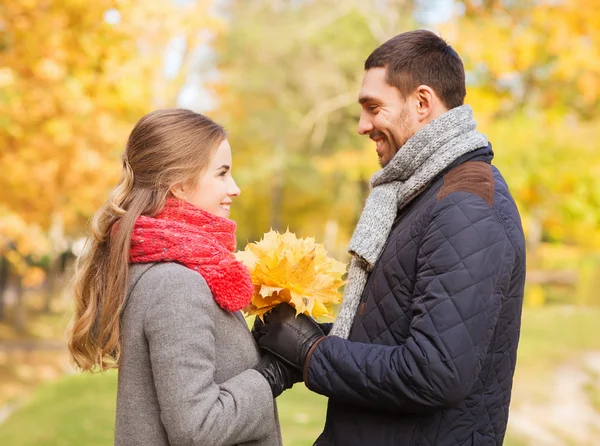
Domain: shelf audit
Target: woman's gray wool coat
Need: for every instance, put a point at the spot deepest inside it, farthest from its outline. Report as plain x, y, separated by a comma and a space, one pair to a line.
186, 376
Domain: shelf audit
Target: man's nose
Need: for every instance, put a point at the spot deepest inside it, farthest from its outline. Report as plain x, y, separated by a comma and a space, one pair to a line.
365, 126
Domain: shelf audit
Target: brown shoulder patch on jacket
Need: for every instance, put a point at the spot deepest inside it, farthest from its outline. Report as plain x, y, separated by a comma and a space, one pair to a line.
475, 177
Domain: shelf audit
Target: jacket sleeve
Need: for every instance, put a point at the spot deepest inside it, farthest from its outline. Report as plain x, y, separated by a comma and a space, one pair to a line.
463, 264
193, 408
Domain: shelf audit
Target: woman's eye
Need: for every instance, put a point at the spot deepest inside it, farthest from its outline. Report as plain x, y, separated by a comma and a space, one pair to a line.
222, 174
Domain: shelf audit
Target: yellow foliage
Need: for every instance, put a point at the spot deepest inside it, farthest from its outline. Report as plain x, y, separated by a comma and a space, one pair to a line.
35, 276
285, 268
19, 240
73, 81
548, 52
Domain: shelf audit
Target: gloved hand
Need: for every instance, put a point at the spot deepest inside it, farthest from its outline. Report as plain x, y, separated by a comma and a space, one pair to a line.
326, 327
256, 334
278, 374
289, 337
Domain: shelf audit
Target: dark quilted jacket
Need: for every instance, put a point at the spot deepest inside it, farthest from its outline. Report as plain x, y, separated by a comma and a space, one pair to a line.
431, 355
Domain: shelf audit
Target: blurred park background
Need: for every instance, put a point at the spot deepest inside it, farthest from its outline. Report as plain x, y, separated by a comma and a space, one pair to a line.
283, 77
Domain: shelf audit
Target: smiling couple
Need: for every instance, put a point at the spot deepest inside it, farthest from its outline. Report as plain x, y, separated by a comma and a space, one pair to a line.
424, 347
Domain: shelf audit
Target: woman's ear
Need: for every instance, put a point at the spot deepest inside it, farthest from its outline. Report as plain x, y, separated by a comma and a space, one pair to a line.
178, 191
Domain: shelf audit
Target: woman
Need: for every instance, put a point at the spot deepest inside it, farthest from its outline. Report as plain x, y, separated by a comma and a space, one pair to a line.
159, 293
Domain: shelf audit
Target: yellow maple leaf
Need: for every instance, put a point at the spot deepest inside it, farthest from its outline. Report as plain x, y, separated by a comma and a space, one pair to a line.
285, 268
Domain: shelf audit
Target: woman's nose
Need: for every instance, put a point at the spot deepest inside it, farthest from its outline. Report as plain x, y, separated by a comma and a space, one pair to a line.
234, 190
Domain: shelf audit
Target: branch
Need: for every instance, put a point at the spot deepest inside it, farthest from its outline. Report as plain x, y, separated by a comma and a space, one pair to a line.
325, 20
324, 108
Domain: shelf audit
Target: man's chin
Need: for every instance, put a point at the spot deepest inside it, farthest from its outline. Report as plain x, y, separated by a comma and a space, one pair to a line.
384, 161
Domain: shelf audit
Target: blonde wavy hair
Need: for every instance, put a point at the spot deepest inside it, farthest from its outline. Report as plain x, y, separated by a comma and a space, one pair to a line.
166, 148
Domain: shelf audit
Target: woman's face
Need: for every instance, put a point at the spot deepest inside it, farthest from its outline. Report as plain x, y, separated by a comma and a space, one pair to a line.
215, 187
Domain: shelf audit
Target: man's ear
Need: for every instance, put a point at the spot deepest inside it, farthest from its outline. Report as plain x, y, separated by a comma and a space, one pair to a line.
425, 101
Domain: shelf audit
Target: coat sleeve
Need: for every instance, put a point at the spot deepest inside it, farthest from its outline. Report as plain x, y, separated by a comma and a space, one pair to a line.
462, 271
193, 408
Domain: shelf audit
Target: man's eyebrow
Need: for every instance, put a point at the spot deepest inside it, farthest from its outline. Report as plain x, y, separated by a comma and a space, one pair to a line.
363, 99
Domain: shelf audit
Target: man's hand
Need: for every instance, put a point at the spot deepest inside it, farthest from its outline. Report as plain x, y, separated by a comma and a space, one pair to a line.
326, 327
258, 324
287, 336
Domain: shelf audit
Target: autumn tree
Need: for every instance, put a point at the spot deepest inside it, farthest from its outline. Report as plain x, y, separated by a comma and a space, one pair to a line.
291, 73
74, 78
534, 81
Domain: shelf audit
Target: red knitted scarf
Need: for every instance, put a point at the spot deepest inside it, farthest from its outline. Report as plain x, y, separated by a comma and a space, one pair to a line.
199, 240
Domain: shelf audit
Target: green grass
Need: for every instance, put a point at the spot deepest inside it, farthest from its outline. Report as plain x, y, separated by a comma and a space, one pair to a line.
302, 415
80, 410
550, 335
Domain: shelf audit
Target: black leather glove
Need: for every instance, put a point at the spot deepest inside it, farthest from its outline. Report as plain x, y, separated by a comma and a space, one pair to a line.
326, 327
256, 334
278, 374
289, 337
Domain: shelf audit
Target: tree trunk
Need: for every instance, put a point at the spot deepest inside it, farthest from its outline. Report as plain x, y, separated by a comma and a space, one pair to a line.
278, 185
19, 317
53, 272
363, 192
276, 204
3, 284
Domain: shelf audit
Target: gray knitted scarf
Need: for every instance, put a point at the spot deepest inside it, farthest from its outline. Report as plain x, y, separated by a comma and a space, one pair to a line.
425, 155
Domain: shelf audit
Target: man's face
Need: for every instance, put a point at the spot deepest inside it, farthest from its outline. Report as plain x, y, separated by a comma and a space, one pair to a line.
386, 117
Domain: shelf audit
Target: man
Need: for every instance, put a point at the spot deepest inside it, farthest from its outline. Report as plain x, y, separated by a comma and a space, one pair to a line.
423, 351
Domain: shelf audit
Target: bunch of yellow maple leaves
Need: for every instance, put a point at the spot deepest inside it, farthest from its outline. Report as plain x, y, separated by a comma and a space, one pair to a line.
298, 271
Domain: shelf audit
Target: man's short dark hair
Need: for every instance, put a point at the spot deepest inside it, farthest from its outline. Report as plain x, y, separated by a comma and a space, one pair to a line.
421, 58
